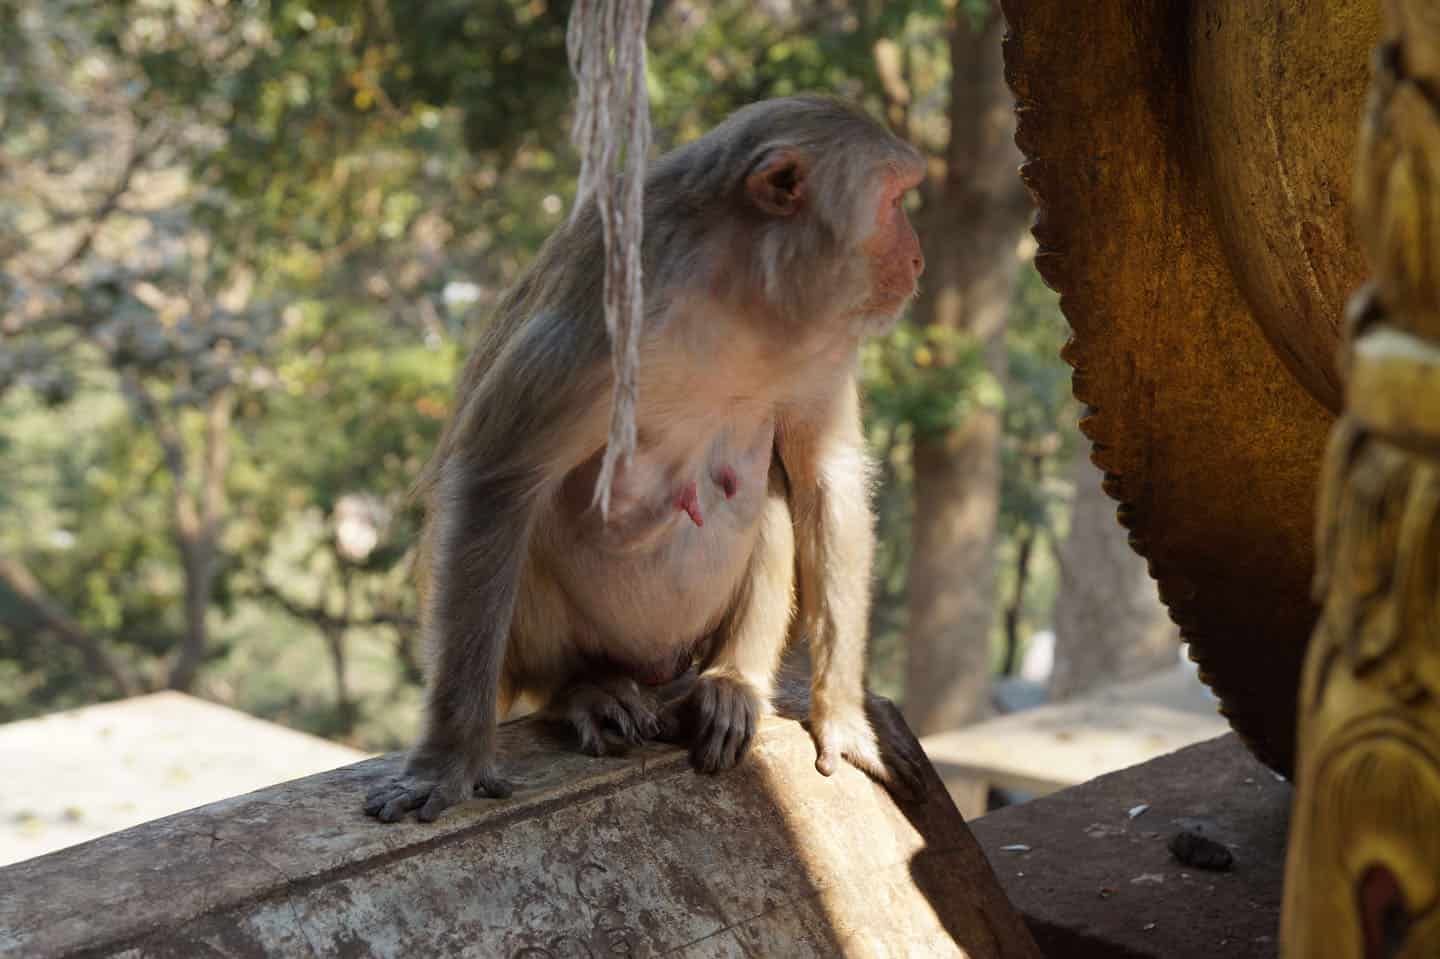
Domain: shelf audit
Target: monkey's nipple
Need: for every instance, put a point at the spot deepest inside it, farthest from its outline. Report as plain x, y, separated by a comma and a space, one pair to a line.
688, 502
729, 482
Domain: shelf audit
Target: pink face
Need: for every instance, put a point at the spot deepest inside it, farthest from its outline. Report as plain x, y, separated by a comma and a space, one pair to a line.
894, 249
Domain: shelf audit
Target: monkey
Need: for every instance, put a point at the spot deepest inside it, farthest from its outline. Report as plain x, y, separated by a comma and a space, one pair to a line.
773, 244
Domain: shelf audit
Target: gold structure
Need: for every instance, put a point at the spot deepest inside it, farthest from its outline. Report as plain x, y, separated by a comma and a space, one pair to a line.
1363, 875
1193, 166
1205, 197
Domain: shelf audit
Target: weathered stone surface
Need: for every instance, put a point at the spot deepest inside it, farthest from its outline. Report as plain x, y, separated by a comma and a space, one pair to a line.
635, 856
1095, 882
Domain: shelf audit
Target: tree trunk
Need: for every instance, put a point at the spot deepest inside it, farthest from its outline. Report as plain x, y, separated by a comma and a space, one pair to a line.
972, 223
198, 565
335, 639
1016, 606
1109, 622
198, 536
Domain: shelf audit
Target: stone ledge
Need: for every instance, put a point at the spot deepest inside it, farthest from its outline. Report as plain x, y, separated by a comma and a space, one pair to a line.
1095, 883
633, 856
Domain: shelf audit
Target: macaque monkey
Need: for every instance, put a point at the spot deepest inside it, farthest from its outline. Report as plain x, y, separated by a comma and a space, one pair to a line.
773, 244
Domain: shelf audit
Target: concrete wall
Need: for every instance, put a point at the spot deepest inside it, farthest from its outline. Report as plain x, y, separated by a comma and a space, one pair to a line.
83, 773
634, 856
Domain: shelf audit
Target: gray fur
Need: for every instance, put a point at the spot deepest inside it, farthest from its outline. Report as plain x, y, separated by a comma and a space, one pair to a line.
524, 596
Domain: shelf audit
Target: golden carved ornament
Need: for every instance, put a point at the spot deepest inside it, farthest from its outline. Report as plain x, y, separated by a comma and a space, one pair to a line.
1363, 874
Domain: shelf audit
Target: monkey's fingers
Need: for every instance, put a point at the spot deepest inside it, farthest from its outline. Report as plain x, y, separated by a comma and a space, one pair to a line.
726, 714
492, 785
671, 722
701, 707
737, 741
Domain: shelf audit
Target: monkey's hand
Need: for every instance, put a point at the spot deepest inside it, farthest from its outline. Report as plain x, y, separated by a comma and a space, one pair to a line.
873, 739
718, 716
432, 782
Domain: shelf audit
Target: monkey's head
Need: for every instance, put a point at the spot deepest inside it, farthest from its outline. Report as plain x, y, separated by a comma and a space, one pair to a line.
806, 195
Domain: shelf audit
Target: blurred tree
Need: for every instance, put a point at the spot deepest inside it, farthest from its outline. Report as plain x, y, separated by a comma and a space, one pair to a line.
974, 215
242, 247
111, 277
1040, 437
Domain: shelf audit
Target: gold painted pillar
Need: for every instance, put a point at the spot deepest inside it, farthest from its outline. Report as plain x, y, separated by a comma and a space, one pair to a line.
1363, 875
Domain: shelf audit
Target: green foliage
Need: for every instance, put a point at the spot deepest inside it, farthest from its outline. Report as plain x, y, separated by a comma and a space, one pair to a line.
301, 212
930, 377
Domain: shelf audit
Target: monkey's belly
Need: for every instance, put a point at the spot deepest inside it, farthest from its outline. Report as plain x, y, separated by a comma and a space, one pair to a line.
673, 554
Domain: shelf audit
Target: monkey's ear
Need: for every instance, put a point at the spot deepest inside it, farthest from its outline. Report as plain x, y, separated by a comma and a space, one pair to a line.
777, 183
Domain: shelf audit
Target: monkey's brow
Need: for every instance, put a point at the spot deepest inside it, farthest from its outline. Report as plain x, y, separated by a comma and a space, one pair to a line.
900, 167
911, 175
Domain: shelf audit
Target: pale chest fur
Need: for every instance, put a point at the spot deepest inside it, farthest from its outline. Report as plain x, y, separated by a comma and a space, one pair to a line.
685, 512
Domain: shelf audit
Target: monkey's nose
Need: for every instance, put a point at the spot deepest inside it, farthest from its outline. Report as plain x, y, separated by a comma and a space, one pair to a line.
919, 264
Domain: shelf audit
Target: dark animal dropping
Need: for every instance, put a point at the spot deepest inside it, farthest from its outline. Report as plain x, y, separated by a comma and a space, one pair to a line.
1192, 848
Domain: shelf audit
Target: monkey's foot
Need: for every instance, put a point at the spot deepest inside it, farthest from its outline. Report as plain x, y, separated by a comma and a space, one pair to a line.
893, 758
432, 786
718, 716
615, 706
903, 759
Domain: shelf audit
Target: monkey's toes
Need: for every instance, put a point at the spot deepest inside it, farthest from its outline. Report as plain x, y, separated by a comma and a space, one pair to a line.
903, 769
619, 708
391, 801
489, 784
901, 755
886, 752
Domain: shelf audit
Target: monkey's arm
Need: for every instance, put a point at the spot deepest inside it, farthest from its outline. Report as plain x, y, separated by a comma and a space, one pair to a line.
527, 420
824, 455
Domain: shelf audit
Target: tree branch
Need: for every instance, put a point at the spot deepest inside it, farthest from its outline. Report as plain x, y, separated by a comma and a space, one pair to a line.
111, 201
321, 617
187, 516
32, 594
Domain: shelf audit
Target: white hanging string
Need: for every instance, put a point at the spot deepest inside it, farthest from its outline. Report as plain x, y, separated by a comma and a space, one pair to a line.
605, 40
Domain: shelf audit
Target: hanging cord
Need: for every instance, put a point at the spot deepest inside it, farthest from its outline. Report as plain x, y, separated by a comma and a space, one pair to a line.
605, 40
